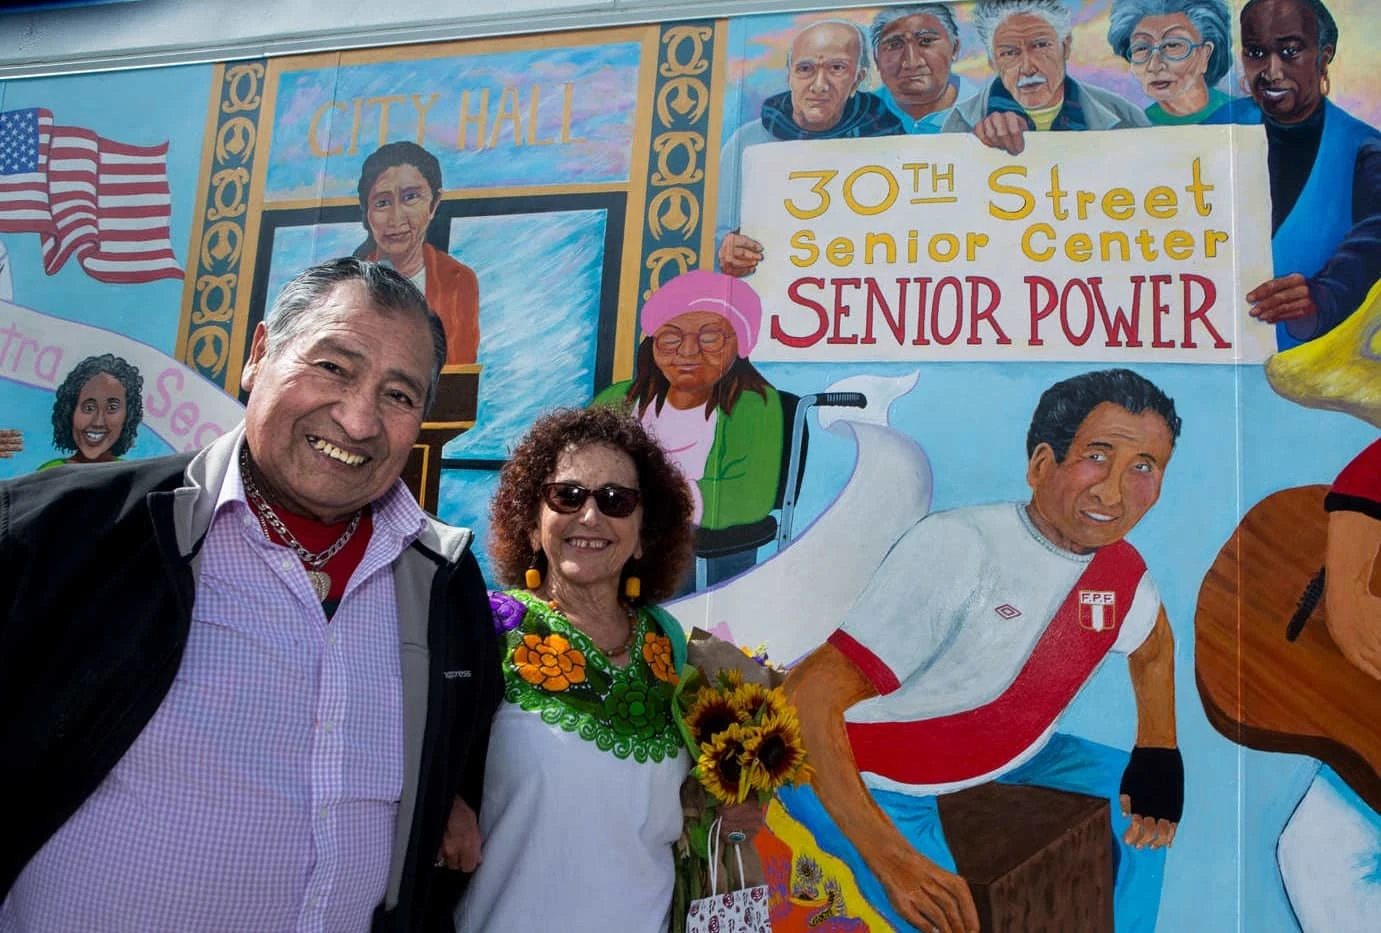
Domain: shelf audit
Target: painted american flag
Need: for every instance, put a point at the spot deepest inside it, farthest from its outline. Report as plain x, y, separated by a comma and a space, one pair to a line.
104, 202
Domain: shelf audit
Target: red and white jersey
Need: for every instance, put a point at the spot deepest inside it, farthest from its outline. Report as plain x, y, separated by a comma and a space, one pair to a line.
977, 632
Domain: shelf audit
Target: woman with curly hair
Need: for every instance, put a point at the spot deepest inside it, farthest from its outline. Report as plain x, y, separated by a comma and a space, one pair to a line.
97, 411
590, 526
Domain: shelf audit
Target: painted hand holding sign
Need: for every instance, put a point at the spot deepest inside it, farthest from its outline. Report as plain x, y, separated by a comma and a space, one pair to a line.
874, 254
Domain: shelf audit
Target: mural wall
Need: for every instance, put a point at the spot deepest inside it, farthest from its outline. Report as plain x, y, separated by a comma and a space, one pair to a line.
835, 259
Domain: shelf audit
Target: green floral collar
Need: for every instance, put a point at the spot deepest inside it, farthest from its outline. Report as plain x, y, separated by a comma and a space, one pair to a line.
551, 668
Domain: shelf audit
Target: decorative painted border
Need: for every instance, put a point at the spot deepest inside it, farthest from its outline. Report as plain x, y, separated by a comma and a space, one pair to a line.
679, 149
211, 296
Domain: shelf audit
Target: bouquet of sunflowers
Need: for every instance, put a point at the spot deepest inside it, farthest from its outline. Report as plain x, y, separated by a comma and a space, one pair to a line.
746, 741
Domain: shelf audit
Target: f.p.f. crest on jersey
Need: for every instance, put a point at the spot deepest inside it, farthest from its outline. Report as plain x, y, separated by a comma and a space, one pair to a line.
1098, 610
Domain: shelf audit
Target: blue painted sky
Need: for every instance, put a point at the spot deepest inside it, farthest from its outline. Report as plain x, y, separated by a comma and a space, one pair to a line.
539, 280
602, 84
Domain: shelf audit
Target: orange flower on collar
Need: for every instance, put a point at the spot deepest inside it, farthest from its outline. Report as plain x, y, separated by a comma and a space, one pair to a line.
657, 654
549, 662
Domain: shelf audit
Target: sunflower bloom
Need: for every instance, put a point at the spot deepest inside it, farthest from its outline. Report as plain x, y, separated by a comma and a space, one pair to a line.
756, 702
657, 654
549, 662
776, 754
722, 764
710, 714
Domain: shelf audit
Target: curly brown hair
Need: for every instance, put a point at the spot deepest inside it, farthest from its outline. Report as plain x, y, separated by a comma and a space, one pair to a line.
667, 537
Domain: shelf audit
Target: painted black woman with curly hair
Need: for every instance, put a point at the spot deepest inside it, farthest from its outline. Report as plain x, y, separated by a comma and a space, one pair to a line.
97, 411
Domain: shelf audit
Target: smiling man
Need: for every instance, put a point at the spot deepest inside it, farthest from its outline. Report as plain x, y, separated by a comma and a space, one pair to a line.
826, 65
250, 693
976, 633
1028, 44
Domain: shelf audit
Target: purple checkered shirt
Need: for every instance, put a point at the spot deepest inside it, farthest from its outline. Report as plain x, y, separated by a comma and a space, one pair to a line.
262, 794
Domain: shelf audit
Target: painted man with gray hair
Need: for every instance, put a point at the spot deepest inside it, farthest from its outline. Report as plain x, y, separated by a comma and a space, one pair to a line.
826, 66
915, 46
1028, 43
250, 688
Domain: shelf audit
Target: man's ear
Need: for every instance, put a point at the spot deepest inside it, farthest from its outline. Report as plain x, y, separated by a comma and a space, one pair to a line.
1040, 464
258, 349
1326, 55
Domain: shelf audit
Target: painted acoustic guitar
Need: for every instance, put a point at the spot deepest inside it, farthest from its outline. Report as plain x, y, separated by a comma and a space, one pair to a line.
1269, 675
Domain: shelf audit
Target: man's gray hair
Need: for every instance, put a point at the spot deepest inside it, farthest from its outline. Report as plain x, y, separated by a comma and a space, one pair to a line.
1210, 18
862, 40
295, 309
990, 14
890, 14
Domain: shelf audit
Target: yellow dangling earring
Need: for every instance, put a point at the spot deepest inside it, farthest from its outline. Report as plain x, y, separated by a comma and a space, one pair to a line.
632, 587
532, 578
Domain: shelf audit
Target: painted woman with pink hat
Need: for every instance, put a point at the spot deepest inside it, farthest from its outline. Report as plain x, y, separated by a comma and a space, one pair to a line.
694, 388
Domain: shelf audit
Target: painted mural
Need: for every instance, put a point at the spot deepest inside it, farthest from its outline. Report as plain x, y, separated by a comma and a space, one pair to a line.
878, 278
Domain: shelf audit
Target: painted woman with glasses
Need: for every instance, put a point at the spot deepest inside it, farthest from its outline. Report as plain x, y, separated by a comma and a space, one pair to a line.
1179, 50
591, 526
696, 391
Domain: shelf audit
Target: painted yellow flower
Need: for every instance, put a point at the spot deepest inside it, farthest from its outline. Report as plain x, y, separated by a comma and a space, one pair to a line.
549, 662
775, 753
722, 764
657, 654
711, 714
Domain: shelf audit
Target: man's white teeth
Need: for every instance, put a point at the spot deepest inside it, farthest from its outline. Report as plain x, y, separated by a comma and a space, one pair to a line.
335, 453
1099, 516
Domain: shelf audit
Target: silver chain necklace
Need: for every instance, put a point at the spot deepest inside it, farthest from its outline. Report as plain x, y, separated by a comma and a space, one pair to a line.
268, 518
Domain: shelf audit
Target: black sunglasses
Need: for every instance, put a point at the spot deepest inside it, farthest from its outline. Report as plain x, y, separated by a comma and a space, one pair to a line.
614, 501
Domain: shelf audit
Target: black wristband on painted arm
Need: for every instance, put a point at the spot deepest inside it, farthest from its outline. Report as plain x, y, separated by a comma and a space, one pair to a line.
1154, 780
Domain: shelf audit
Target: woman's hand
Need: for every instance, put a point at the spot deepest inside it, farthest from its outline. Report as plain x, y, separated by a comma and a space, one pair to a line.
460, 846
745, 819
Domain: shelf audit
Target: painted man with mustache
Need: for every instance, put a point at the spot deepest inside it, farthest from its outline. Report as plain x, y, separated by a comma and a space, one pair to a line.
246, 688
1028, 43
1325, 168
